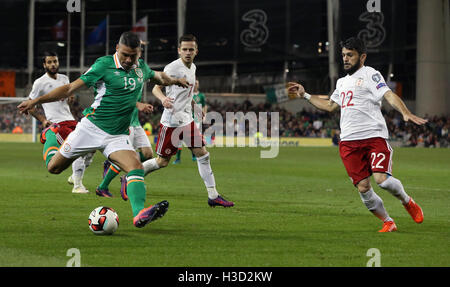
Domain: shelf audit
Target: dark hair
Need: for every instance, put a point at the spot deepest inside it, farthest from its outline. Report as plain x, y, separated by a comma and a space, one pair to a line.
130, 39
48, 54
354, 43
187, 38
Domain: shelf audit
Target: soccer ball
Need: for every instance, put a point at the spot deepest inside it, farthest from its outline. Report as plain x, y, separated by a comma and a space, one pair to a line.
103, 220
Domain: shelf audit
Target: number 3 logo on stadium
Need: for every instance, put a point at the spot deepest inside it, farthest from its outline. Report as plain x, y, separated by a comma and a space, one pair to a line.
374, 156
257, 33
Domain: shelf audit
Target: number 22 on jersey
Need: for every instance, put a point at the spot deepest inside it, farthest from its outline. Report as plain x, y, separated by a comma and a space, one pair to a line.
347, 99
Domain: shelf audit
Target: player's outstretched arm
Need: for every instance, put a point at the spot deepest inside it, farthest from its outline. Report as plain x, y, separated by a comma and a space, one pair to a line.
144, 107
319, 101
57, 94
163, 79
400, 106
40, 117
166, 102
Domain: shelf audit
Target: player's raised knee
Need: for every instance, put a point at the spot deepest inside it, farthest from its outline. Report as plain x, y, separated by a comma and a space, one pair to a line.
379, 177
364, 185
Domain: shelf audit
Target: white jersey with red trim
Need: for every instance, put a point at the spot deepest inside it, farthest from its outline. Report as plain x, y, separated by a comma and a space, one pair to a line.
55, 112
181, 112
360, 96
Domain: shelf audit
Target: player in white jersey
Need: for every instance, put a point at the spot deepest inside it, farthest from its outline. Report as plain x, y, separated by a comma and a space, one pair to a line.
200, 109
58, 115
363, 147
177, 123
180, 112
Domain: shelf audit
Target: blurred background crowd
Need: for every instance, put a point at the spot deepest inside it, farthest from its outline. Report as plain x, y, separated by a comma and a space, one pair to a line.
304, 123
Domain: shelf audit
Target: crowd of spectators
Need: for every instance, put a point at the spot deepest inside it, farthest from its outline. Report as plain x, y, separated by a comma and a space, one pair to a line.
305, 123
434, 134
315, 123
10, 119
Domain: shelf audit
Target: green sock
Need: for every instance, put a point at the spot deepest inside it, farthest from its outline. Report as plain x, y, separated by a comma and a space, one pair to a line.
179, 154
142, 157
50, 147
136, 190
112, 172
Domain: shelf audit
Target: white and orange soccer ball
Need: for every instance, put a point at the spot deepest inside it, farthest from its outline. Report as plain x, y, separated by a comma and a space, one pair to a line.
103, 221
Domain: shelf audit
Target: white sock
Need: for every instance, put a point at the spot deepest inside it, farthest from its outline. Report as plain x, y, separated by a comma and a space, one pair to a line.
78, 168
150, 165
204, 168
375, 204
212, 192
395, 187
88, 159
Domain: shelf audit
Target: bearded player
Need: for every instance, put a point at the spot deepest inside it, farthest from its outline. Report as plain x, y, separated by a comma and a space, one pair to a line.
364, 149
58, 116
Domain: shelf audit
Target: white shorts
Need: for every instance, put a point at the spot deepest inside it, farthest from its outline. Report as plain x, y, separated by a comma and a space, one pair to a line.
139, 138
87, 138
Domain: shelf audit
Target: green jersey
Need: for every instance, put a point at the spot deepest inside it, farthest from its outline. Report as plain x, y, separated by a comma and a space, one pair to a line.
116, 93
199, 99
135, 116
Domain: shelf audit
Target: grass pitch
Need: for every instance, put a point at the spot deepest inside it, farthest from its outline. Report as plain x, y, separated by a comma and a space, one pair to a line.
298, 209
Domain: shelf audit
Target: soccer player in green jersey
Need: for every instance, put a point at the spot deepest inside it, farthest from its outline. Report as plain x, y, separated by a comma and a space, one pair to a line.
199, 100
118, 82
139, 141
